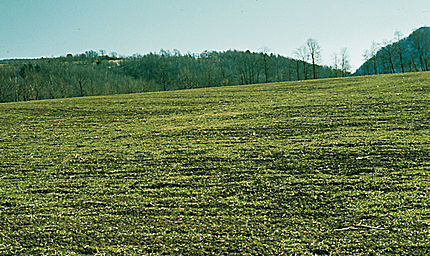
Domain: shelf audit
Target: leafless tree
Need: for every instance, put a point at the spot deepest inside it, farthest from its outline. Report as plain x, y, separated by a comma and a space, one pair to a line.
399, 49
371, 55
303, 55
265, 52
388, 53
335, 65
420, 41
314, 53
344, 61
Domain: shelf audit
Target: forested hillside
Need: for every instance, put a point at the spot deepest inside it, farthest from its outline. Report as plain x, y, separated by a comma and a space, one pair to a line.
410, 54
94, 73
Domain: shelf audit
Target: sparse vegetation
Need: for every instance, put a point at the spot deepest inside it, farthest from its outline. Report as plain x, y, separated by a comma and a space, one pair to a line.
335, 166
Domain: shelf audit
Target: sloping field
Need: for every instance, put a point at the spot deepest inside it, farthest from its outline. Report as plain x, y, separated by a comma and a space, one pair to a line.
336, 166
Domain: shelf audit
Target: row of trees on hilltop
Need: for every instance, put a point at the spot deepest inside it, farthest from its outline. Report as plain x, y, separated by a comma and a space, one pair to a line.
95, 73
410, 54
311, 52
176, 71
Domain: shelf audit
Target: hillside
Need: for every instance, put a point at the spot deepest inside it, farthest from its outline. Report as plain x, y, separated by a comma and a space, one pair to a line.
91, 73
409, 54
330, 166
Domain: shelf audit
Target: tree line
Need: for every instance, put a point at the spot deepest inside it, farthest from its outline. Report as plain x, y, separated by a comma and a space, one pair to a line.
96, 73
399, 55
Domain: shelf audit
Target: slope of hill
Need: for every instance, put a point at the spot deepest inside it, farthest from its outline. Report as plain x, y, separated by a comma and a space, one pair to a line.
407, 55
332, 166
90, 74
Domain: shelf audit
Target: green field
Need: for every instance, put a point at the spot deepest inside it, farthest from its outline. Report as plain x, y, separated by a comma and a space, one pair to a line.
336, 166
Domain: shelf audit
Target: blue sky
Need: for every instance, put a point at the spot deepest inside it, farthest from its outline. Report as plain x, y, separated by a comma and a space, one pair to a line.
44, 28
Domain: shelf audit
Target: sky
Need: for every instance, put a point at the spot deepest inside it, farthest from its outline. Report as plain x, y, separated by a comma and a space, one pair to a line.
49, 28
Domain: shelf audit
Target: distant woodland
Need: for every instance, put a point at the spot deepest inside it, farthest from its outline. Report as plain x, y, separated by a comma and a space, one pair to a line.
410, 54
96, 73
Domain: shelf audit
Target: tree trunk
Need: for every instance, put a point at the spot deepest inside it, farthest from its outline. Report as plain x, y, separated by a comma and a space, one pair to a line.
304, 70
314, 68
81, 88
401, 62
391, 64
266, 73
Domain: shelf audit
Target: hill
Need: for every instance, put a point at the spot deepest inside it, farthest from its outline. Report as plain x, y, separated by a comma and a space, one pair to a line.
91, 74
409, 54
330, 166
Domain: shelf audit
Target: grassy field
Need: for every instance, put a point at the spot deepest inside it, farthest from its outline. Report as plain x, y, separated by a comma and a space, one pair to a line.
339, 166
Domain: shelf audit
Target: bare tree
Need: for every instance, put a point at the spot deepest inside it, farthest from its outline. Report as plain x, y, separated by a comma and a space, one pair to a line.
264, 51
371, 55
399, 49
344, 61
420, 42
302, 54
314, 53
335, 65
366, 59
388, 52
